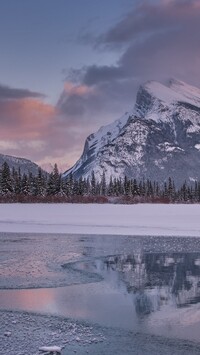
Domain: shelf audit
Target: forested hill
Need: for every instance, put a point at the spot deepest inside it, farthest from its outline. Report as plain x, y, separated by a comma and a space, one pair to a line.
43, 187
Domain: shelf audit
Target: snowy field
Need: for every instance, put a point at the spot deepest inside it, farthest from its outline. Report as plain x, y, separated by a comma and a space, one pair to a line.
141, 219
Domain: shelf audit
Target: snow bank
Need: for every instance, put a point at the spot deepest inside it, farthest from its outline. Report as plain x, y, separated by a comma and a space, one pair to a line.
141, 219
50, 349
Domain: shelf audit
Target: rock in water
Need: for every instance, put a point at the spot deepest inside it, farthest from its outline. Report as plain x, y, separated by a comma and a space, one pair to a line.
7, 334
50, 349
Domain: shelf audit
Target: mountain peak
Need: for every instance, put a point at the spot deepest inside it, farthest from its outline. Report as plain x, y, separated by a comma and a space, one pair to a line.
159, 138
26, 166
174, 92
189, 92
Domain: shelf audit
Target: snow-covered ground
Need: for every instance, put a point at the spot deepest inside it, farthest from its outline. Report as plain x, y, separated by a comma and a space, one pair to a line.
141, 219
28, 333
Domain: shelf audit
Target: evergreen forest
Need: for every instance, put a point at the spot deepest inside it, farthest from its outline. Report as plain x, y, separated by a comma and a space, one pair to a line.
44, 187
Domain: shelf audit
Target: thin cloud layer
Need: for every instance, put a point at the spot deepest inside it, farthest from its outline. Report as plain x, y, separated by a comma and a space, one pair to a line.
8, 93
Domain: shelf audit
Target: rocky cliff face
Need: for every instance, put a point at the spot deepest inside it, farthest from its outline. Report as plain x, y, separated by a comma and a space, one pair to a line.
159, 138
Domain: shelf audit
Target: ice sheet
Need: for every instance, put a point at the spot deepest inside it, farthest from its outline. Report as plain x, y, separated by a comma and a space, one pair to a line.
141, 219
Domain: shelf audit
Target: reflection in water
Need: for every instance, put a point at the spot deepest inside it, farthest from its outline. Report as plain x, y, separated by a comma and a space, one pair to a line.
141, 291
154, 279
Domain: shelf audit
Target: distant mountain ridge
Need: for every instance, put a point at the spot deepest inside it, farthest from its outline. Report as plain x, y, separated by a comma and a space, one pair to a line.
26, 166
159, 138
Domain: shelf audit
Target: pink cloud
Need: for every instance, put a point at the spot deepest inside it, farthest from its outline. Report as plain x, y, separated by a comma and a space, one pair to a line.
79, 90
25, 119
38, 131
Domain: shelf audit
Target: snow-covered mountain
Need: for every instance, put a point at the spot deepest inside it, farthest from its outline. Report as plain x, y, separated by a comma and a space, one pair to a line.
25, 165
159, 138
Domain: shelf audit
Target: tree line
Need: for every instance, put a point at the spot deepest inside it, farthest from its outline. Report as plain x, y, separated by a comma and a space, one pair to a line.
15, 186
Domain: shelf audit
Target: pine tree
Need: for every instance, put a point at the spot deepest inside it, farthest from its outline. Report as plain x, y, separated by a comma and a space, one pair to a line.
116, 187
93, 184
111, 187
71, 184
126, 186
171, 191
198, 194
75, 190
25, 185
40, 183
135, 188
57, 179
54, 182
81, 186
16, 178
31, 183
103, 184
6, 180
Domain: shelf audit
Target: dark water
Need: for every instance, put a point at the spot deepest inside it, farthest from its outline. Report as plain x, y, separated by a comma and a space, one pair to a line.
150, 285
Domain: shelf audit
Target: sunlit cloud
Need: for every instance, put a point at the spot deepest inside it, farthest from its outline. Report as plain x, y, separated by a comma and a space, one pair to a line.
79, 90
36, 145
24, 119
36, 130
6, 145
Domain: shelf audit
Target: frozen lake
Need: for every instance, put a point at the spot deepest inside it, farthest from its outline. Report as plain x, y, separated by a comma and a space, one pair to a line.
99, 279
145, 287
140, 219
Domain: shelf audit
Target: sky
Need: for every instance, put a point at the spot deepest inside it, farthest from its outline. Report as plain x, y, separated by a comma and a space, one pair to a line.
70, 66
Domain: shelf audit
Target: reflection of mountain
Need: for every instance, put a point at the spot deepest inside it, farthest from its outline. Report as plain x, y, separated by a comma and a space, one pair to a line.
158, 279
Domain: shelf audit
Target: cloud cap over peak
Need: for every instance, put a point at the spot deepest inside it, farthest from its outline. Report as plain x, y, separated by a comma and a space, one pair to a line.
159, 40
148, 18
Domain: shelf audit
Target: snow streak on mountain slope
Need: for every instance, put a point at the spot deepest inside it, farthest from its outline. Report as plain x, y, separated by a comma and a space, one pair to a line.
158, 139
96, 141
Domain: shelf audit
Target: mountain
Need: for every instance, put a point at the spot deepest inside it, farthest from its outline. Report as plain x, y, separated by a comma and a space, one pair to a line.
25, 165
159, 138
